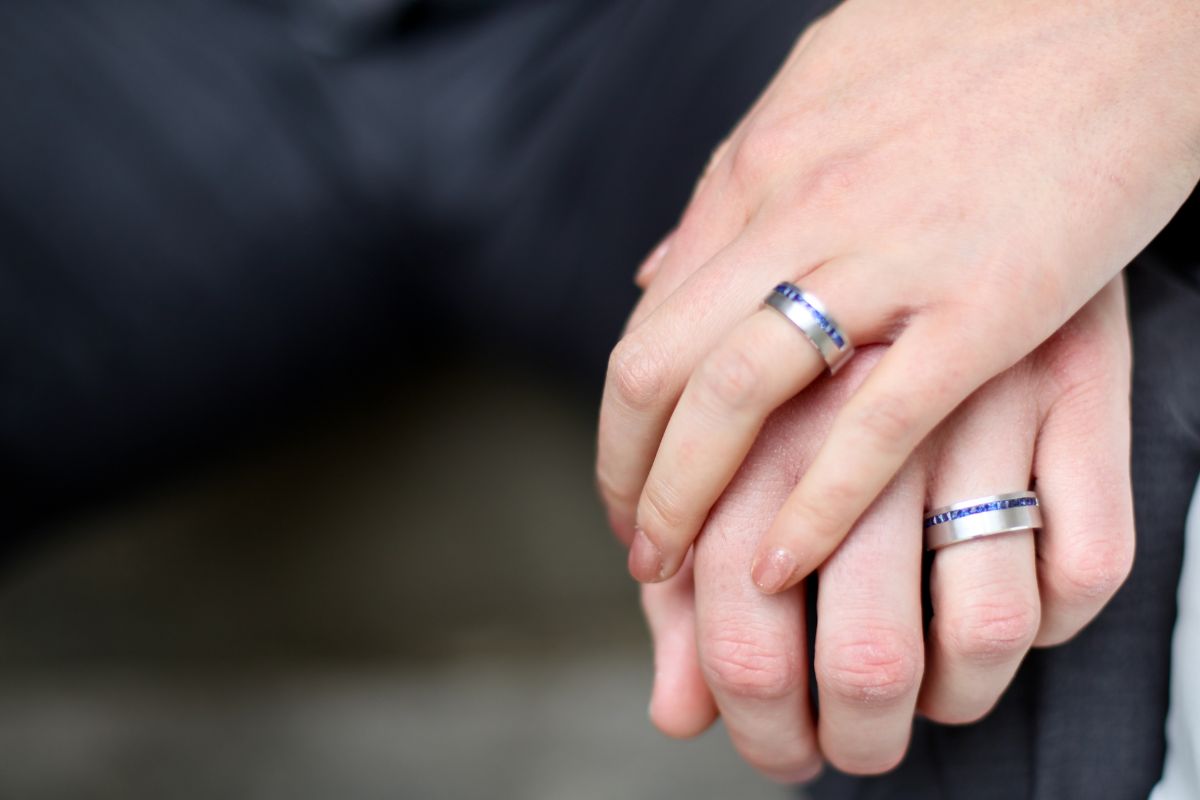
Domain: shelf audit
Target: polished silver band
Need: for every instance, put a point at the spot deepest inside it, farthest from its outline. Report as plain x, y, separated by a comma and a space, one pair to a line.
983, 516
809, 315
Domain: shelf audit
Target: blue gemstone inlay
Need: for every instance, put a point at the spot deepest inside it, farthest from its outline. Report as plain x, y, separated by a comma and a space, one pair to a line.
994, 505
822, 321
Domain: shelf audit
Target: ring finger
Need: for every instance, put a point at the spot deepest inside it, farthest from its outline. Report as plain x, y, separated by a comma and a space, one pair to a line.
984, 591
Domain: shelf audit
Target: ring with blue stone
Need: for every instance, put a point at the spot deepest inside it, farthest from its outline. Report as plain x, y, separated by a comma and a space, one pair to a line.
982, 516
808, 314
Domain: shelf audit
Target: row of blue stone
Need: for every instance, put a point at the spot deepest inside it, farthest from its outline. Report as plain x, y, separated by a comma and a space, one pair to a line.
827, 326
995, 505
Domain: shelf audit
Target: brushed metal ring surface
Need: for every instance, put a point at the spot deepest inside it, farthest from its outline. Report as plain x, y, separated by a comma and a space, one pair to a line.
982, 516
808, 314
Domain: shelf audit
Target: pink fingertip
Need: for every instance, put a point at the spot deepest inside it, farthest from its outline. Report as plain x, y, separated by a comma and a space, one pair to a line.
645, 559
773, 571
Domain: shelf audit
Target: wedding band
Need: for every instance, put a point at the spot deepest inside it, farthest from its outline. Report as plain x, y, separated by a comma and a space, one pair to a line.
809, 315
983, 516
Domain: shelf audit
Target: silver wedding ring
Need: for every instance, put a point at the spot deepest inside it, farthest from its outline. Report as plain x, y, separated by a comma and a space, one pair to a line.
809, 315
983, 516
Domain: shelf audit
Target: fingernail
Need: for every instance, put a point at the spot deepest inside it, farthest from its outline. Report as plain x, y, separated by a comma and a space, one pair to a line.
772, 571
645, 559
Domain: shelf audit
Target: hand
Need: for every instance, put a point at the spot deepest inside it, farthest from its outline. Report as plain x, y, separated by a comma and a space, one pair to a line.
924, 169
1061, 415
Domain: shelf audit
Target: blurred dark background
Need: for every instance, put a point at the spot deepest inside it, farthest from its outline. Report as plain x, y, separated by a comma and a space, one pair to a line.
304, 308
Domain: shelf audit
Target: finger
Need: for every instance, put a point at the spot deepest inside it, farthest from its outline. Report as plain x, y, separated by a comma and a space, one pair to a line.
984, 591
1085, 550
641, 387
763, 363
869, 642
651, 364
752, 655
681, 705
752, 647
765, 360
925, 374
646, 372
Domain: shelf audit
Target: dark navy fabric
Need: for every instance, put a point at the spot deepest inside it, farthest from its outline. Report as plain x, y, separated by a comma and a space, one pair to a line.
217, 215
208, 224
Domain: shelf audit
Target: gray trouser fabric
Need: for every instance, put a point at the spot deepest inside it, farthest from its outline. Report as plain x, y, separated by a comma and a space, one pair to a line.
212, 211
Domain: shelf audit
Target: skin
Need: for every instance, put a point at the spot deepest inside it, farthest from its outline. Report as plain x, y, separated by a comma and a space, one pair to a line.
955, 181
722, 646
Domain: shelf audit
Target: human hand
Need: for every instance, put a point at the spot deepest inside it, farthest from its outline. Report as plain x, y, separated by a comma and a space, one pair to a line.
927, 171
1060, 415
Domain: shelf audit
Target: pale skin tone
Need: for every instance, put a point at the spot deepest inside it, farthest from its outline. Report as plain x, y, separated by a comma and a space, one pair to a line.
722, 644
955, 181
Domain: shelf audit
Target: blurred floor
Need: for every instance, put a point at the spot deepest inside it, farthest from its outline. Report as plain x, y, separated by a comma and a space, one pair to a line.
418, 601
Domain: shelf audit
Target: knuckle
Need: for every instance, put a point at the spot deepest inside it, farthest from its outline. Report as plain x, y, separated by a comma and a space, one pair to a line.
756, 667
1029, 275
755, 159
874, 666
889, 421
831, 182
637, 374
1096, 571
830, 185
731, 378
823, 513
661, 507
994, 632
1034, 277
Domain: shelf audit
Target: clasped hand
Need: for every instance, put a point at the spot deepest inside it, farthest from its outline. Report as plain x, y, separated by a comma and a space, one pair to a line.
924, 171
